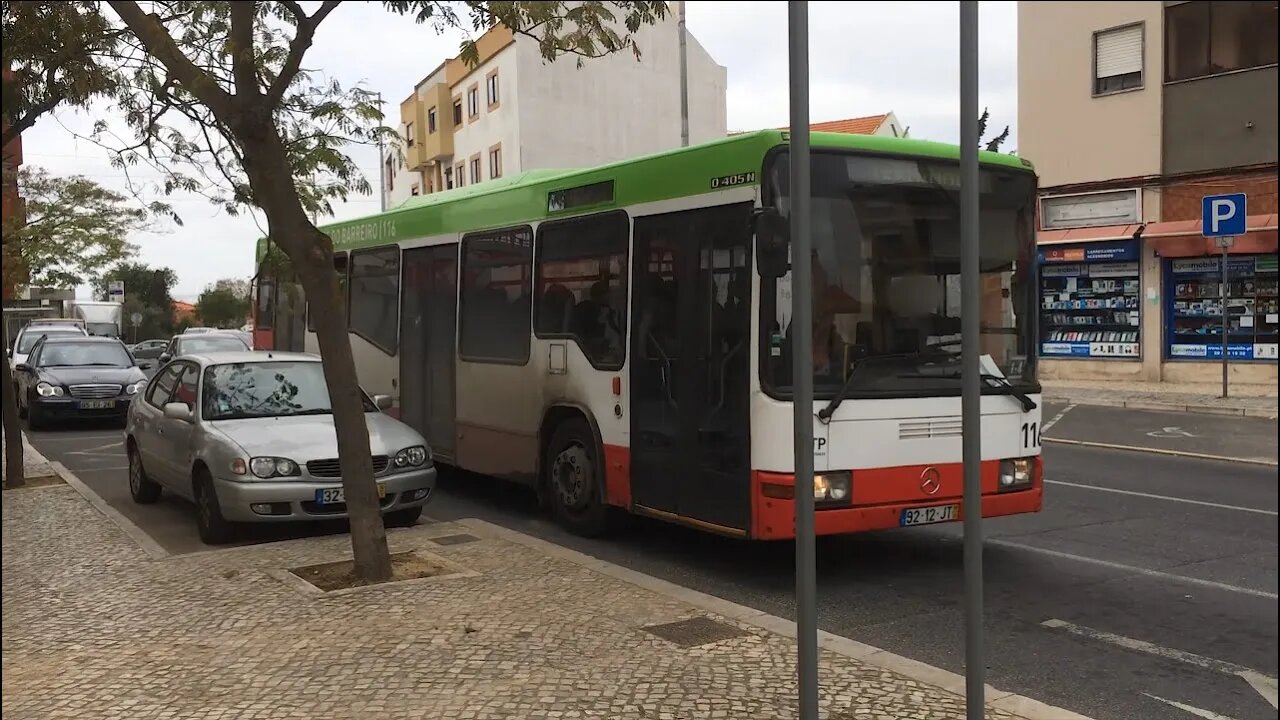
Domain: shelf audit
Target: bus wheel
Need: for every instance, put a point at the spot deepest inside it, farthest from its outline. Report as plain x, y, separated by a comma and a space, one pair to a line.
575, 479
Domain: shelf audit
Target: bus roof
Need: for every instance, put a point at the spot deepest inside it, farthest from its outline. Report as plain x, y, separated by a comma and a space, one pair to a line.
682, 172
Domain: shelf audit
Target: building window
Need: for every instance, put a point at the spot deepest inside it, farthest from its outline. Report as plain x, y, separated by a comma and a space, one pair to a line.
495, 162
475, 169
408, 134
491, 89
582, 285
496, 294
461, 172
473, 102
391, 175
1194, 312
1117, 59
448, 178
1090, 300
1208, 38
457, 111
431, 121
375, 296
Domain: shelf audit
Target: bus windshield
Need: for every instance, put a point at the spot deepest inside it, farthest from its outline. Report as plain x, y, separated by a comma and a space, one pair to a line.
886, 277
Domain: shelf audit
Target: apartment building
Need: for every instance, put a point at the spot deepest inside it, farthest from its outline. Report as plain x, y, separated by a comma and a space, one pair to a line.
1131, 113
514, 112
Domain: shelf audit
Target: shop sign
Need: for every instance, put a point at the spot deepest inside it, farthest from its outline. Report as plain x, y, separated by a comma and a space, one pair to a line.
1091, 252
1090, 349
1211, 352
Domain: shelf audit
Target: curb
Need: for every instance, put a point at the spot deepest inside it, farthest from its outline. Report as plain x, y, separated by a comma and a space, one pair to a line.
127, 526
1161, 451
1023, 707
32, 456
1201, 409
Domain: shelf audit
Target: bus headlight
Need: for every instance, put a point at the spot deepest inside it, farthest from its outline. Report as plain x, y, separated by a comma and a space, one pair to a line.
832, 488
1015, 474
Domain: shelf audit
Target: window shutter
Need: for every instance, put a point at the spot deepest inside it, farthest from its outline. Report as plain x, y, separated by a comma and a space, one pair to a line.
1118, 52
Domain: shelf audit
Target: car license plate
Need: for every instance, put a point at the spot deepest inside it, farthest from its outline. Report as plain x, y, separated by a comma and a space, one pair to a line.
97, 404
929, 515
333, 496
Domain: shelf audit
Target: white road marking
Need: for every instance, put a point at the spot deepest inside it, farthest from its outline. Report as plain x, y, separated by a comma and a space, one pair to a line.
98, 450
1263, 684
1054, 420
1170, 432
104, 469
1170, 498
1198, 712
1161, 451
1146, 572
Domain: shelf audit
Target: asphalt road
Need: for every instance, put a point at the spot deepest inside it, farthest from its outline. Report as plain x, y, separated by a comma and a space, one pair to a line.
1146, 577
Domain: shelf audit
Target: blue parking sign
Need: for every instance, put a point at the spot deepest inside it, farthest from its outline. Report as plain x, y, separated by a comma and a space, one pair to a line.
1224, 215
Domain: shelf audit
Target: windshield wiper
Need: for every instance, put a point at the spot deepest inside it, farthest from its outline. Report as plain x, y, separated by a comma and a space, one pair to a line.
101, 364
825, 413
995, 380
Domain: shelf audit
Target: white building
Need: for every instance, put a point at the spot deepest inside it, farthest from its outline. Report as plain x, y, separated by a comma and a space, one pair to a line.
514, 111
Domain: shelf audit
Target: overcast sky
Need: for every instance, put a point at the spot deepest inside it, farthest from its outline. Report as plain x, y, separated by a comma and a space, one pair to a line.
866, 58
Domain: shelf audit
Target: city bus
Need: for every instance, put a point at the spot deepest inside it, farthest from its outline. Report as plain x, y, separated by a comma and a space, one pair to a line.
619, 337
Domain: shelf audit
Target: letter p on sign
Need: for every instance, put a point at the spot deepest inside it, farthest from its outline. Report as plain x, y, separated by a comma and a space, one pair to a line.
1224, 215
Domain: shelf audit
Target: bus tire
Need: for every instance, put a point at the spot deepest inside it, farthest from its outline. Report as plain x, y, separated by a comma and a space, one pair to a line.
574, 479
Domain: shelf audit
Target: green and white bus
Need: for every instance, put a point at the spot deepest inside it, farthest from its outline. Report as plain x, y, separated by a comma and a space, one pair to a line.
619, 336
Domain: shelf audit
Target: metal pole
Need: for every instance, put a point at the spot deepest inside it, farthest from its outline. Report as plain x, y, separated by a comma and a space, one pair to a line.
1226, 323
684, 78
971, 381
802, 351
382, 175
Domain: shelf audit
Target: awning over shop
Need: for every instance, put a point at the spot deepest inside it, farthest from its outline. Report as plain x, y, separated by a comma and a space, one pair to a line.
1101, 233
1182, 238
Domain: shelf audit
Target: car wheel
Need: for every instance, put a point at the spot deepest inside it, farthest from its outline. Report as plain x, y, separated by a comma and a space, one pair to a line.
407, 517
143, 489
212, 526
575, 480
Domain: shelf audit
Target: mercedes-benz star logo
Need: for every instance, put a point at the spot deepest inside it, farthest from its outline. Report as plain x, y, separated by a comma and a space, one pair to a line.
930, 481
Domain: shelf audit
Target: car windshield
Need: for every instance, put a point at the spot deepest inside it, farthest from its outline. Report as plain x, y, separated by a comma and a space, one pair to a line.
266, 389
30, 337
106, 354
886, 277
210, 344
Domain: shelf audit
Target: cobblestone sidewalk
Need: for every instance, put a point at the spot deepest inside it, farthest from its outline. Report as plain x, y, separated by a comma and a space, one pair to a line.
34, 464
1248, 400
94, 629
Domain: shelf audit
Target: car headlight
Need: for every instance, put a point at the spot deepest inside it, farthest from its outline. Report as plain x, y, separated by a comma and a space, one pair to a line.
1015, 474
412, 456
135, 388
269, 467
832, 488
44, 389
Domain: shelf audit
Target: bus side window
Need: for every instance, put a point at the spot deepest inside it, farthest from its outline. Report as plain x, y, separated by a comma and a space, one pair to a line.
581, 273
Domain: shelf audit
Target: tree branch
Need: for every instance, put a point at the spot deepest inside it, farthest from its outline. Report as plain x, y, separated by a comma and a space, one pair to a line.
160, 45
244, 68
301, 43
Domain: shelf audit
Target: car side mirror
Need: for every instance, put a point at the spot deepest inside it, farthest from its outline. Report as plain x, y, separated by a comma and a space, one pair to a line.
165, 357
383, 402
773, 243
177, 411
22, 368
143, 365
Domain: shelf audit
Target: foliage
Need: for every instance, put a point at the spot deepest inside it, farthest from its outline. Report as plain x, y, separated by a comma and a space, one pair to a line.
224, 304
992, 145
147, 291
74, 228
59, 52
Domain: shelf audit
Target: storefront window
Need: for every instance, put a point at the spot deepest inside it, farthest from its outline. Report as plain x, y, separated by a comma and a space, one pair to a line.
1194, 312
1090, 298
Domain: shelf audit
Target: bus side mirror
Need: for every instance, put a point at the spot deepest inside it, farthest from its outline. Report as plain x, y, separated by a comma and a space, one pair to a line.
773, 243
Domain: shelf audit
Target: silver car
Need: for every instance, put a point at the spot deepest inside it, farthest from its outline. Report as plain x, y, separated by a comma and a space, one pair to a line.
249, 437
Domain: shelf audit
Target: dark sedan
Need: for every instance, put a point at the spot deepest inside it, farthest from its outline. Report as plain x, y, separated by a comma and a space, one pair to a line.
70, 377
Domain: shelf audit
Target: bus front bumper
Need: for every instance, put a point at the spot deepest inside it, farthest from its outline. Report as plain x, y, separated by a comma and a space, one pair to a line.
774, 519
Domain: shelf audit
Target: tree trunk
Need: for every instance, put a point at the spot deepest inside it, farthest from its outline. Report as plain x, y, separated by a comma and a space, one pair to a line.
368, 535
311, 252
14, 474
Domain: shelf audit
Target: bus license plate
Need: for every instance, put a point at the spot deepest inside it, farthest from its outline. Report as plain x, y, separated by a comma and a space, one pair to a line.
929, 515
333, 496
97, 404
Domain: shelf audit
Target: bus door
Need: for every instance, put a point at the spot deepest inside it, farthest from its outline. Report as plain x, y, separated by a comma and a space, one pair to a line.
427, 320
690, 365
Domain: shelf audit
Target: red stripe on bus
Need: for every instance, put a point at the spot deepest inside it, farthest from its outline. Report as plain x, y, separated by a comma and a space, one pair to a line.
617, 475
